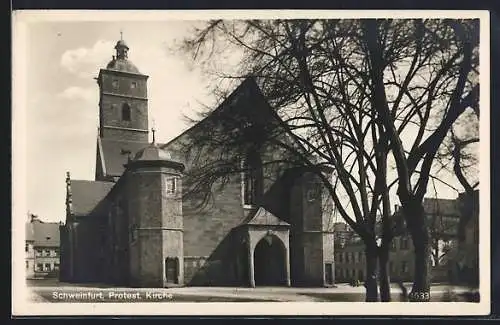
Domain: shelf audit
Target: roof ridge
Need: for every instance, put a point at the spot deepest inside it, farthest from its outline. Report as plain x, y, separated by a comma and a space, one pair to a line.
91, 181
126, 141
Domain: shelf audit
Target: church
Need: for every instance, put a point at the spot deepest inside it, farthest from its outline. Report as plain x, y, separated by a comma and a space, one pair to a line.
133, 226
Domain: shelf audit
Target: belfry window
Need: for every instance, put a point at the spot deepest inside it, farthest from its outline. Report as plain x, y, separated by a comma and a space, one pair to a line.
252, 177
125, 112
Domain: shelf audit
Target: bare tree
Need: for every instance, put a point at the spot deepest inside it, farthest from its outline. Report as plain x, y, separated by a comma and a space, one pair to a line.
449, 86
323, 117
460, 154
348, 94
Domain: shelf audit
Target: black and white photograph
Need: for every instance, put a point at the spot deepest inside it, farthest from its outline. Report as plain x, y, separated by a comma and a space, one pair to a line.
251, 162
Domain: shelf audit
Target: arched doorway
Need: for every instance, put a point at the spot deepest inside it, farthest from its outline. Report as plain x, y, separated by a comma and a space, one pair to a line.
269, 262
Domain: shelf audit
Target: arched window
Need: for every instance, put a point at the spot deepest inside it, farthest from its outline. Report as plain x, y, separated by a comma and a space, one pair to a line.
252, 178
172, 269
125, 112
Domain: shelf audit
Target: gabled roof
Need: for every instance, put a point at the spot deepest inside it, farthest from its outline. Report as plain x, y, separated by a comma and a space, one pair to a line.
114, 154
44, 234
264, 217
247, 91
87, 194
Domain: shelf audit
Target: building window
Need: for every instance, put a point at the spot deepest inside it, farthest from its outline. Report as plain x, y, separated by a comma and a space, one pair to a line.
27, 264
360, 256
347, 258
252, 176
133, 85
39, 267
125, 112
172, 269
404, 243
404, 267
26, 247
38, 253
393, 245
56, 266
115, 84
171, 185
313, 192
340, 257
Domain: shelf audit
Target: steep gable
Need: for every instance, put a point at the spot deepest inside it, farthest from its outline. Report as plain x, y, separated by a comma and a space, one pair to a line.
264, 217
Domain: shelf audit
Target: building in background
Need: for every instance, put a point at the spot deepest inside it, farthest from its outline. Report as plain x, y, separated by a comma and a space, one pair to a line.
41, 248
443, 216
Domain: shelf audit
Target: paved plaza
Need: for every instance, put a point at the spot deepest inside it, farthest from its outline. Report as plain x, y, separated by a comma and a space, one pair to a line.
53, 291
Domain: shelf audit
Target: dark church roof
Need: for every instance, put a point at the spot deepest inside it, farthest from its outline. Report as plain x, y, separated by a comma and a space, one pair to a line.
245, 94
87, 194
115, 154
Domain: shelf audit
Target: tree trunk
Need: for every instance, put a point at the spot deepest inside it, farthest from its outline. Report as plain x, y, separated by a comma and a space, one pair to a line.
419, 232
469, 249
384, 274
371, 273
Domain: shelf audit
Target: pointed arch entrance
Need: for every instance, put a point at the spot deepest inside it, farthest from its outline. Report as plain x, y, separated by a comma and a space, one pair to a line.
270, 262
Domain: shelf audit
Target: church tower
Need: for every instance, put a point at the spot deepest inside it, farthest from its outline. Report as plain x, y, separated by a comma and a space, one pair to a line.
154, 189
123, 100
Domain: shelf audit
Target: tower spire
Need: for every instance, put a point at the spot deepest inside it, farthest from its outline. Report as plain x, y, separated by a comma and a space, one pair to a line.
153, 130
121, 47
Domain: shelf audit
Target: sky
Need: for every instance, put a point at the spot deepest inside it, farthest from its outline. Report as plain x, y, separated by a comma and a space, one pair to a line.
62, 96
61, 61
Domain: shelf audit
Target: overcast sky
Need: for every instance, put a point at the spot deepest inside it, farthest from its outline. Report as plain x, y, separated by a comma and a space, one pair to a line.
62, 59
62, 96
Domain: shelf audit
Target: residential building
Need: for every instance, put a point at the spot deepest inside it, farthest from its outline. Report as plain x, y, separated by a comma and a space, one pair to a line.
41, 248
443, 217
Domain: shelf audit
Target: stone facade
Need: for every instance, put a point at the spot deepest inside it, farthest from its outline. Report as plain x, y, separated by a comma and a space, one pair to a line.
134, 225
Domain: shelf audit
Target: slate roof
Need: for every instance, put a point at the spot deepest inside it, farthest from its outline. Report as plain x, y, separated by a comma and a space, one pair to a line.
447, 207
153, 152
114, 154
122, 65
44, 234
87, 194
